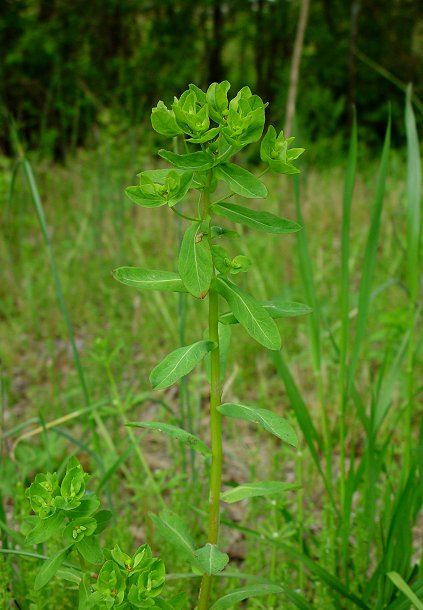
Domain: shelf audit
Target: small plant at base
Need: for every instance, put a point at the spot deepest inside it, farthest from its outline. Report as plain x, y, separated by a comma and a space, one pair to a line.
67, 515
214, 129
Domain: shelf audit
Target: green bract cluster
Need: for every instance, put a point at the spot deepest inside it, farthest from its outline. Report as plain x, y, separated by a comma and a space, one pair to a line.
127, 582
66, 510
67, 514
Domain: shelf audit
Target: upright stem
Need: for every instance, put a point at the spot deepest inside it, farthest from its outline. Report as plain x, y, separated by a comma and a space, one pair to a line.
215, 433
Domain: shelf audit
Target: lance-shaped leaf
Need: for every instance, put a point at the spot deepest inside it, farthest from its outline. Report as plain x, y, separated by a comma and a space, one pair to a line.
195, 263
179, 363
253, 316
174, 432
210, 560
277, 308
272, 422
50, 567
175, 531
149, 279
238, 595
241, 181
261, 221
252, 490
197, 161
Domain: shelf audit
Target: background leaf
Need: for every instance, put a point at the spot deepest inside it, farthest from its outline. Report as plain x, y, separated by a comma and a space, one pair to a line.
50, 567
176, 532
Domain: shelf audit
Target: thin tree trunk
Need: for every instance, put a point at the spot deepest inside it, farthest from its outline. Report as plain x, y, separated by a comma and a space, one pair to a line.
295, 66
352, 59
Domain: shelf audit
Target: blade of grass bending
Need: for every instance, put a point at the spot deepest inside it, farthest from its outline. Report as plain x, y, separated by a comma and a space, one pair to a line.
369, 262
403, 603
311, 436
345, 323
55, 275
307, 276
413, 196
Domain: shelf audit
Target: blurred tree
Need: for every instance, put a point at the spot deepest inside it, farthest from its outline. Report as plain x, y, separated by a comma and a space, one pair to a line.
69, 66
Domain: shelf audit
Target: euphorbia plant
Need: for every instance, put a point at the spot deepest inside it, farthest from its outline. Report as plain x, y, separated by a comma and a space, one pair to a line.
214, 130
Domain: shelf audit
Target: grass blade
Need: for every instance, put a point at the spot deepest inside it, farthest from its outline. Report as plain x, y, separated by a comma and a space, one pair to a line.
369, 262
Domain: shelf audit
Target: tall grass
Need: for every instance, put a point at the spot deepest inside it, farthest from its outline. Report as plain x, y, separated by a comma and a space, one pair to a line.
373, 516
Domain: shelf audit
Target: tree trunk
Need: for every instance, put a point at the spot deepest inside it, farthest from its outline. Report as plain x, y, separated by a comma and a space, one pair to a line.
295, 66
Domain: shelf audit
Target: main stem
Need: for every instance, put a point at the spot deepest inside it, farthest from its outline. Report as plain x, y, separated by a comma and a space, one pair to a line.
215, 431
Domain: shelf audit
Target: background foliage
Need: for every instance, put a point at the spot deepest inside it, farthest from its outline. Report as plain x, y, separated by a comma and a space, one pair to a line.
70, 67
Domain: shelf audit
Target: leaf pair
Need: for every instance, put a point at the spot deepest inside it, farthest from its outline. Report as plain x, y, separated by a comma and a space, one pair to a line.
207, 559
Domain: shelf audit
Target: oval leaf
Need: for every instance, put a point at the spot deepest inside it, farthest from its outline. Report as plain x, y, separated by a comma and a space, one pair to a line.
210, 560
238, 595
179, 363
175, 531
197, 161
252, 490
149, 279
50, 567
134, 194
253, 316
195, 263
174, 432
276, 308
241, 181
272, 422
90, 549
262, 221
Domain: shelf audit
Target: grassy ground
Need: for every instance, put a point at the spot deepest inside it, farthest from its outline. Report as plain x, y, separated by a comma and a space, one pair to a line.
121, 334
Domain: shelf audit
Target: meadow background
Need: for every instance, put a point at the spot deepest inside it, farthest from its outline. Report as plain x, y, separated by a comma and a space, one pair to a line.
77, 83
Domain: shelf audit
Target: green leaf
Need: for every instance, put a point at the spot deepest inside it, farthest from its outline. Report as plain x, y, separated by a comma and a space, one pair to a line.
151, 201
195, 264
252, 490
217, 99
272, 422
45, 529
276, 308
50, 567
163, 121
210, 560
206, 137
103, 518
400, 583
149, 279
90, 550
197, 161
241, 181
175, 531
261, 221
174, 432
238, 595
253, 316
179, 363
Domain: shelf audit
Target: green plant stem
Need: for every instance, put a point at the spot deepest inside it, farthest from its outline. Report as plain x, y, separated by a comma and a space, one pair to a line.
215, 430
